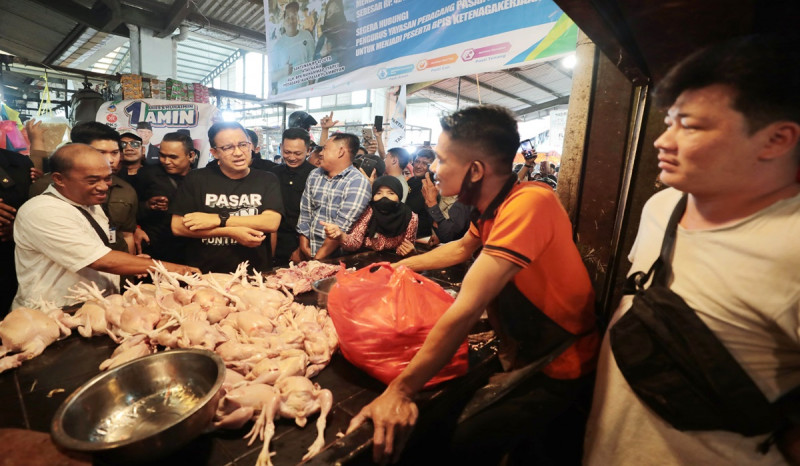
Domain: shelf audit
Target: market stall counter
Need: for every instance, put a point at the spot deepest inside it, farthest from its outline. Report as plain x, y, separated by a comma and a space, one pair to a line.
31, 394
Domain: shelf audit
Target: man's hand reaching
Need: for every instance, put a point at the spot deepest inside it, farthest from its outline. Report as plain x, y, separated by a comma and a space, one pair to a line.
393, 416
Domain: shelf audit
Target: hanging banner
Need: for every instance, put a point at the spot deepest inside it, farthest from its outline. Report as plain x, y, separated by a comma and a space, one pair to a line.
151, 119
365, 44
397, 125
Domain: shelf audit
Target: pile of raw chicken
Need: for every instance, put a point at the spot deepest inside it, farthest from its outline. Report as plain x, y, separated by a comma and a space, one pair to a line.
271, 344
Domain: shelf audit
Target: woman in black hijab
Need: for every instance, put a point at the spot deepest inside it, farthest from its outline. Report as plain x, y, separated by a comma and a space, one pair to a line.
386, 224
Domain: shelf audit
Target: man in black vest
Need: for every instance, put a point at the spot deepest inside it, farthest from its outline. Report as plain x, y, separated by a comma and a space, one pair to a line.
292, 174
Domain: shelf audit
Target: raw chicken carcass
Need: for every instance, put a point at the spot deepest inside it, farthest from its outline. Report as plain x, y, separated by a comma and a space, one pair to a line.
133, 348
240, 404
27, 332
301, 398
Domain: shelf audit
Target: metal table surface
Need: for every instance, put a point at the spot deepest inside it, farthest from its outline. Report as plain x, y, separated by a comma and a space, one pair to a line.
30, 395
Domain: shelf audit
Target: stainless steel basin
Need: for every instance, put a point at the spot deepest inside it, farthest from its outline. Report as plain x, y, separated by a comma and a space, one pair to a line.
144, 409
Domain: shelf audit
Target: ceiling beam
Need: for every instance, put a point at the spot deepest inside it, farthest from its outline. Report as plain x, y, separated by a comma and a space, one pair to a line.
65, 43
543, 106
472, 80
175, 16
453, 95
532, 83
212, 23
75, 11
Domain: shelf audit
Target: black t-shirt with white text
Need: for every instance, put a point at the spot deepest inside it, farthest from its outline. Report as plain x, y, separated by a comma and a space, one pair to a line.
209, 190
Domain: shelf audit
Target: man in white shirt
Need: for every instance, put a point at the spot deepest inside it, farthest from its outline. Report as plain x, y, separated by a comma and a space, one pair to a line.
731, 147
291, 50
62, 236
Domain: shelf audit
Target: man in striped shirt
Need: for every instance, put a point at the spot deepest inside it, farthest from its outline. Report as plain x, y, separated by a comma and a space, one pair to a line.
336, 192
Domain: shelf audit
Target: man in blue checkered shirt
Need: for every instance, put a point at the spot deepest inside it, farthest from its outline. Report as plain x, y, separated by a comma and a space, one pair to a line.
336, 192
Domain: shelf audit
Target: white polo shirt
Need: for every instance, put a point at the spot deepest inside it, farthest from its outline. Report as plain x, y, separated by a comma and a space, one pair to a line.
54, 246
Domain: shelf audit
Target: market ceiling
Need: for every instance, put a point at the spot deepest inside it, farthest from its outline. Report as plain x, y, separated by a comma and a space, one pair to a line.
66, 32
642, 38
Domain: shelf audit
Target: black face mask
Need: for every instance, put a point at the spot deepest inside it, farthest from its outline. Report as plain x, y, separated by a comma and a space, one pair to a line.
470, 191
385, 205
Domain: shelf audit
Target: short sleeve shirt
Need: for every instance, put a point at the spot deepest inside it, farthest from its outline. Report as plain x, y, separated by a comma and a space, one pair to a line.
532, 230
209, 190
55, 246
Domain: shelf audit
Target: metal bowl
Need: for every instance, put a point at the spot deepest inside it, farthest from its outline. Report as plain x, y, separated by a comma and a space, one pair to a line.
144, 409
322, 288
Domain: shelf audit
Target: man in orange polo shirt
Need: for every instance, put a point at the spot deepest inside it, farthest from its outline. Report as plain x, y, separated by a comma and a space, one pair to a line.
528, 275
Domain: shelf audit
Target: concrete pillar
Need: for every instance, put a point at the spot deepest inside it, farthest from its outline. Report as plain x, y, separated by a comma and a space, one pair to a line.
569, 176
157, 56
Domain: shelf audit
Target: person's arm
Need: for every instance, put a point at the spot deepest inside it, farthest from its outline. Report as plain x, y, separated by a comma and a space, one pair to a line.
326, 123
429, 191
353, 240
407, 246
328, 247
121, 263
411, 231
36, 138
524, 172
267, 221
128, 237
303, 226
448, 229
394, 412
280, 67
246, 236
379, 140
446, 255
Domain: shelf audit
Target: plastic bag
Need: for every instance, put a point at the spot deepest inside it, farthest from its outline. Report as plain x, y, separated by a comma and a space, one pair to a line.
55, 131
383, 315
11, 138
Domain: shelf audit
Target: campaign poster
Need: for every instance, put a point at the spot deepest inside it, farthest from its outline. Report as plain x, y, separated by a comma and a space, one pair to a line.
323, 47
151, 119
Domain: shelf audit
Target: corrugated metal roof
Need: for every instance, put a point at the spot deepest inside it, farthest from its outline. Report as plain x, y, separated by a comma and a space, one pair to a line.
244, 13
30, 30
511, 88
217, 29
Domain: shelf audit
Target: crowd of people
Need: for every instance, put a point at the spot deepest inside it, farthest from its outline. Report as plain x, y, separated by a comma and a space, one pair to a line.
342, 195
714, 250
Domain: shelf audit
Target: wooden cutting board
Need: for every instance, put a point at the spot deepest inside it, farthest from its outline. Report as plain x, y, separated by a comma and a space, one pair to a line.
20, 447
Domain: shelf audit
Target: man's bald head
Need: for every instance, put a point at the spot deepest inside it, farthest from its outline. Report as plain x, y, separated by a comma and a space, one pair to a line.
63, 160
81, 173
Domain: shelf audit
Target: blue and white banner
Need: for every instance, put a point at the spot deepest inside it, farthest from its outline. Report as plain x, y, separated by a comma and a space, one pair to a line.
337, 46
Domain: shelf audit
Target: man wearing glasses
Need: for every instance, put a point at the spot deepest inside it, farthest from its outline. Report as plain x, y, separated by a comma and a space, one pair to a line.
227, 209
132, 156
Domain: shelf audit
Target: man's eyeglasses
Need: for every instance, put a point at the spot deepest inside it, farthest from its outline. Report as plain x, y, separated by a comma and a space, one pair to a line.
228, 149
422, 163
134, 144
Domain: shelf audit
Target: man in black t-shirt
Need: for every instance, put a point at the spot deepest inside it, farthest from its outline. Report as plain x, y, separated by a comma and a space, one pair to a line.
227, 209
157, 186
292, 174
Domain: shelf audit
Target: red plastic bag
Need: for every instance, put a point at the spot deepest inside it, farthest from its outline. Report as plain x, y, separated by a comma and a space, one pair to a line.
382, 316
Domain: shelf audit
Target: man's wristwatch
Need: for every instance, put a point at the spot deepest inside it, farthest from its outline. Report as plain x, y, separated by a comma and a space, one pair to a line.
223, 218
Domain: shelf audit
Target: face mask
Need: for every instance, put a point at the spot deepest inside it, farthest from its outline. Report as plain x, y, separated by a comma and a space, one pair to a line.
385, 205
470, 191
